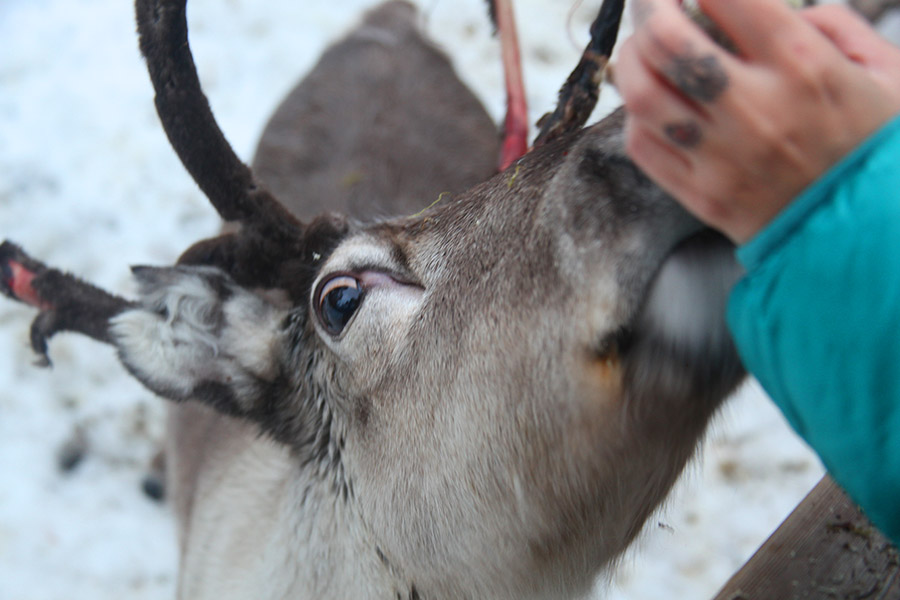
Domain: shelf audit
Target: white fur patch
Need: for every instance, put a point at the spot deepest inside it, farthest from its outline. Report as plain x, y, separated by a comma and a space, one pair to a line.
190, 332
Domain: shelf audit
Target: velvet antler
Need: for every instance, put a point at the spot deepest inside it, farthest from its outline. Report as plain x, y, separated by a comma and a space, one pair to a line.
580, 93
270, 243
189, 123
65, 303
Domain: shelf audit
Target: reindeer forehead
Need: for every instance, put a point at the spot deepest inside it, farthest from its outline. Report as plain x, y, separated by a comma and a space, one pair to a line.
366, 251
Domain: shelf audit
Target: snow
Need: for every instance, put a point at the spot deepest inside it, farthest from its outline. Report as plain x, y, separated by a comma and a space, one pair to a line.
88, 183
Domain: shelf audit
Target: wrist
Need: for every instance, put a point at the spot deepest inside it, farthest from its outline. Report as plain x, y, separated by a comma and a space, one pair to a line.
879, 148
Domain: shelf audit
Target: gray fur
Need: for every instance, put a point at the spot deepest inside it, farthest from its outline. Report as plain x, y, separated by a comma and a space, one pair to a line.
515, 395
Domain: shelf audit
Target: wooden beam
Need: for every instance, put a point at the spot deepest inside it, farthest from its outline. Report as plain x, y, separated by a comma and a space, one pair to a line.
825, 549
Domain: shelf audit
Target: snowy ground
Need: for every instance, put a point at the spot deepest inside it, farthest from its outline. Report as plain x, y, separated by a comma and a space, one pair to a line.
88, 183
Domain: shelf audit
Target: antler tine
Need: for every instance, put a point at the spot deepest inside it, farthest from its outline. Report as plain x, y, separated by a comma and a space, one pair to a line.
189, 123
579, 94
64, 302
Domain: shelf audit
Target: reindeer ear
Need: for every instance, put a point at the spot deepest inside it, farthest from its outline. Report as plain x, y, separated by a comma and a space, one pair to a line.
195, 334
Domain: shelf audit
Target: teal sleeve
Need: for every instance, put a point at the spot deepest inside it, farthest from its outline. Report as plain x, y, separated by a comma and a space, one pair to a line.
816, 319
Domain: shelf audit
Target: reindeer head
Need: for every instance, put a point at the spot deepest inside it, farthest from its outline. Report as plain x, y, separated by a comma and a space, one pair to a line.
504, 385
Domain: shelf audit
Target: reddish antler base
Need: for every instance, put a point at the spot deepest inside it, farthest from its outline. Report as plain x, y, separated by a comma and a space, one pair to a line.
515, 126
17, 283
65, 302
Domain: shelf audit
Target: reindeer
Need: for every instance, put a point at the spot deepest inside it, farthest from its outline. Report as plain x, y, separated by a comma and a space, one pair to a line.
484, 398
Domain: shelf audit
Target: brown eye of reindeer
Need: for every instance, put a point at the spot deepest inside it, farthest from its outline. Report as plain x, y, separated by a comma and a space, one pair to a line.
336, 301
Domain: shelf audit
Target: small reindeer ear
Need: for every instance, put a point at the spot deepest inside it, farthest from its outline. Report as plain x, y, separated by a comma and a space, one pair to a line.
196, 334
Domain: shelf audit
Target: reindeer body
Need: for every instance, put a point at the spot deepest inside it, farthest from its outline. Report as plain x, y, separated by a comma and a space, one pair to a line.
483, 396
379, 128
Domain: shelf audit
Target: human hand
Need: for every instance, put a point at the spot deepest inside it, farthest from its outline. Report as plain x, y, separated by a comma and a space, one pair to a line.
735, 137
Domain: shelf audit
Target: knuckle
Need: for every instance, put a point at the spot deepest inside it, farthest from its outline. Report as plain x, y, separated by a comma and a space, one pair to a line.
662, 35
667, 41
765, 133
806, 68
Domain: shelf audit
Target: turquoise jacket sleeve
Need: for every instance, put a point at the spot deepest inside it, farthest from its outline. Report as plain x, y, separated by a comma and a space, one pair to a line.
816, 319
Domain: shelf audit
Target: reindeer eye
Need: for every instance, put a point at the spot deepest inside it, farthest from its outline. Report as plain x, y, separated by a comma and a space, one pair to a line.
336, 301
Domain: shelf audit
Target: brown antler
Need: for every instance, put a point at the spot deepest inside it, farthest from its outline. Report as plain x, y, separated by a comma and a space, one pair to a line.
189, 123
579, 94
269, 237
271, 248
65, 302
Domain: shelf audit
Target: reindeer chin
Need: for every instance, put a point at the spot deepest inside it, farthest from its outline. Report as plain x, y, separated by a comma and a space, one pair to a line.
687, 299
680, 343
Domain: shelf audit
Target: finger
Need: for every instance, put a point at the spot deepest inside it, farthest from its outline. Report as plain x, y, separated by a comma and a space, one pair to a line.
654, 104
757, 27
849, 33
878, 59
642, 9
681, 53
670, 168
684, 57
680, 175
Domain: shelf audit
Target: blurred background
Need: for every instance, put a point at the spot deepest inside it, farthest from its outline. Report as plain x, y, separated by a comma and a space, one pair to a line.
89, 183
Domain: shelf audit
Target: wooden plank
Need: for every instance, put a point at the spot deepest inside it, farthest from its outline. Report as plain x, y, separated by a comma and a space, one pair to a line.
825, 549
